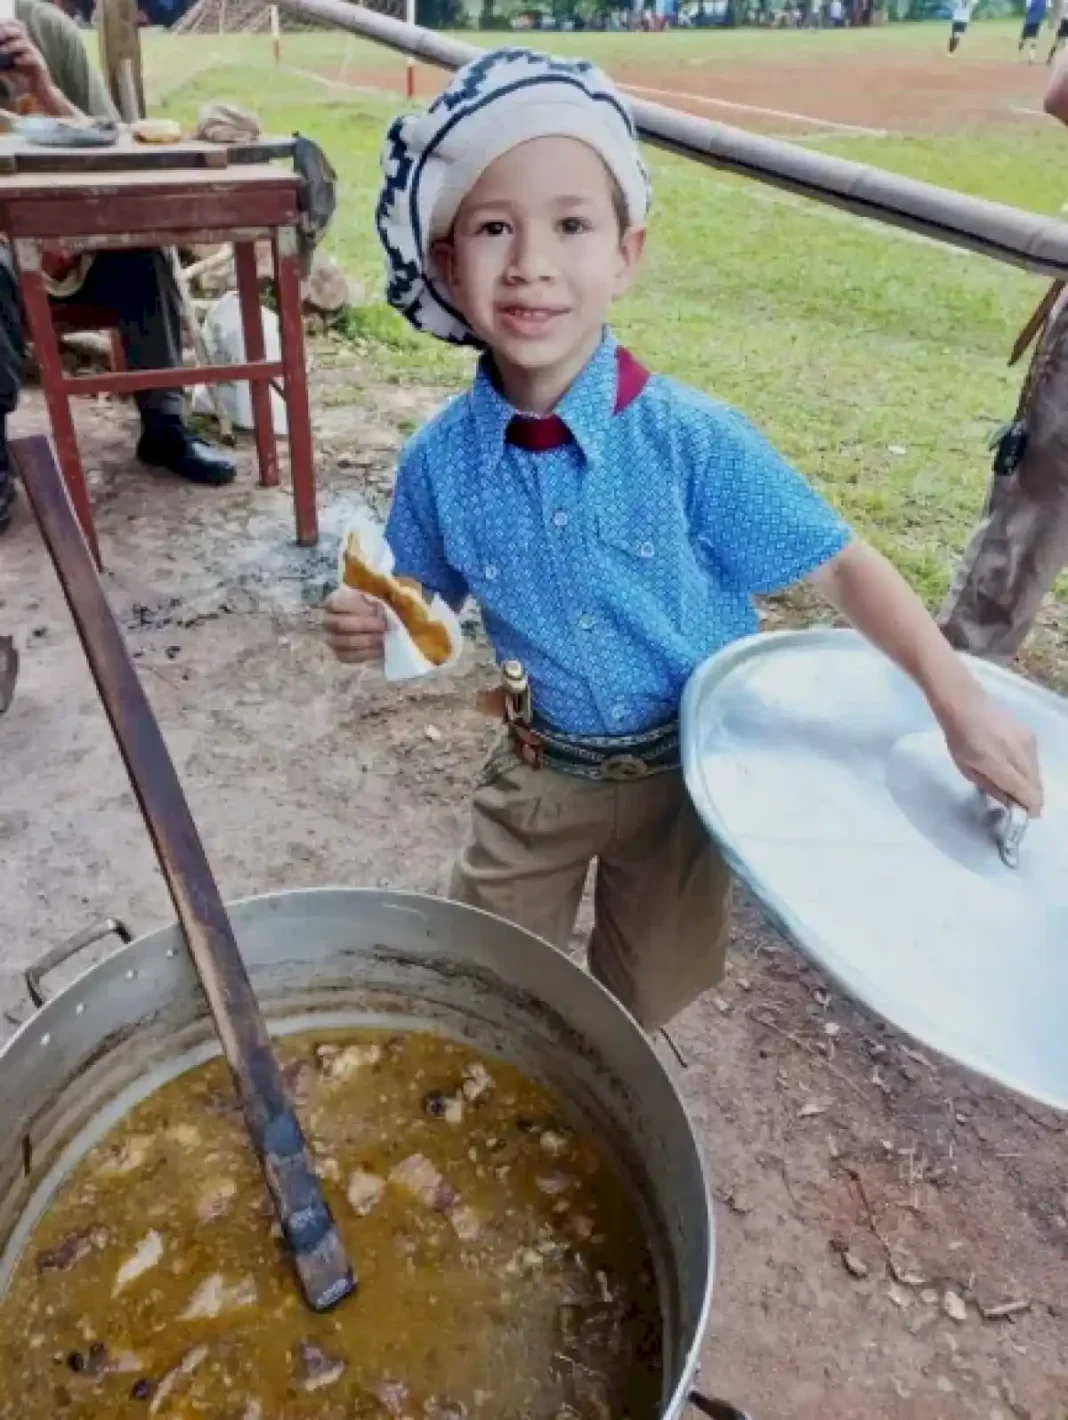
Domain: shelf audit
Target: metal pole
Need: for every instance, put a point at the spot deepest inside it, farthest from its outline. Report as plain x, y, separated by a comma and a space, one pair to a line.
1035, 243
409, 75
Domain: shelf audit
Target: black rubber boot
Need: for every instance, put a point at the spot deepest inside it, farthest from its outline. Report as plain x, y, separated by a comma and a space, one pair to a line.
169, 444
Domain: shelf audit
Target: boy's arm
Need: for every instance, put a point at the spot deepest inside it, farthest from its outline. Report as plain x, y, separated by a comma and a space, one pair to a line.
413, 531
990, 747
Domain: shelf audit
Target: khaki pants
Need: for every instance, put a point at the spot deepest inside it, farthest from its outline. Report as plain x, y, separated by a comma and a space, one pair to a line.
662, 897
1021, 544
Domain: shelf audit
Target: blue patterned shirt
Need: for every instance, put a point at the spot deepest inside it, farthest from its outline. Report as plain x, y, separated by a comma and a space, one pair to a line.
612, 566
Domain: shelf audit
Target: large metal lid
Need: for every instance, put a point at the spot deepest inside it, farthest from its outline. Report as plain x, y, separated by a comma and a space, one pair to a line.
820, 771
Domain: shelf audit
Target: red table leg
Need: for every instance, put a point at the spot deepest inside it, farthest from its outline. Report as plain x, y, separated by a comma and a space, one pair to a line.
301, 452
255, 349
43, 335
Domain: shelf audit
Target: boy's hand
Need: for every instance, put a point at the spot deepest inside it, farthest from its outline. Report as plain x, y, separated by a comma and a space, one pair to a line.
994, 751
355, 627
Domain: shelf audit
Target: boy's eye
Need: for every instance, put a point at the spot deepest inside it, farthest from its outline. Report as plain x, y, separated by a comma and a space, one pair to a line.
494, 228
571, 226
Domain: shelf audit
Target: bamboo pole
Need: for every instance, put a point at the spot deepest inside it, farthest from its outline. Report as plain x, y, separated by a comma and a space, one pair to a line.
1025, 239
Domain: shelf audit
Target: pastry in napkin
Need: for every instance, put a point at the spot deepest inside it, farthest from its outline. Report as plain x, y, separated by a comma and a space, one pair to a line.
421, 636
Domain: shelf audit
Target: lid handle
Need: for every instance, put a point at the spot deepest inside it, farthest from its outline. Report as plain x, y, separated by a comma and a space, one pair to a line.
1009, 831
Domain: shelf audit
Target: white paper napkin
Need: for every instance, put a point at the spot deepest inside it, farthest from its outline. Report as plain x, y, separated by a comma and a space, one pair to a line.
403, 659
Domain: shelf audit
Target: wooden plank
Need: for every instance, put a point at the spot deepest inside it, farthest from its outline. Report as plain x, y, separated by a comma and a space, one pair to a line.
274, 1130
16, 155
146, 214
135, 241
128, 155
141, 157
170, 179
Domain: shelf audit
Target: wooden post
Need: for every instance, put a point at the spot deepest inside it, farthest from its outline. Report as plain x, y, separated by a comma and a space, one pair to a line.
276, 35
120, 56
255, 349
298, 414
409, 73
43, 334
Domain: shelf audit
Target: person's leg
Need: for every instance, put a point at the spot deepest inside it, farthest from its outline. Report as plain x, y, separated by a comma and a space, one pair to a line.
1021, 545
532, 835
662, 903
139, 288
12, 356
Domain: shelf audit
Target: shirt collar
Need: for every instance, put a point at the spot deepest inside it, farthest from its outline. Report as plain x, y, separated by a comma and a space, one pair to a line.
587, 408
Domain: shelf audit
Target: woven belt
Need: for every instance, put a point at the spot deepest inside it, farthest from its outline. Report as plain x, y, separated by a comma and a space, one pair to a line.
613, 757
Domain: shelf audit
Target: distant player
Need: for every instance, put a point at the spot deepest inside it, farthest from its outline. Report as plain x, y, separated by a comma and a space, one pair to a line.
962, 14
1033, 17
1062, 31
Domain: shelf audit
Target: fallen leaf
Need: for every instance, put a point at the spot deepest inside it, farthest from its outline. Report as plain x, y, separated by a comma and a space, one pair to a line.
954, 1307
811, 1108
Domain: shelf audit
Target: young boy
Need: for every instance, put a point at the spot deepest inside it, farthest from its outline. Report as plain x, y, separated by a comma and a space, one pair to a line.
614, 526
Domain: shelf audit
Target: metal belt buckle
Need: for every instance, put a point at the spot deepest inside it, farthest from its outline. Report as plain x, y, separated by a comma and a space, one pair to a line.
624, 766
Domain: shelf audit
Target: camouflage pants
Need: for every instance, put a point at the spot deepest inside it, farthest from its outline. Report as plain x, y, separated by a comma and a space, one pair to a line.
1021, 545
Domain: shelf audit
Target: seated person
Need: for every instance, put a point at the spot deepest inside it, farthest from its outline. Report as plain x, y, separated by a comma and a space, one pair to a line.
44, 69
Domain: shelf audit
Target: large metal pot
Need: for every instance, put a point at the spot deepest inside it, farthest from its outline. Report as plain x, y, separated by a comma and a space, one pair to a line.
341, 957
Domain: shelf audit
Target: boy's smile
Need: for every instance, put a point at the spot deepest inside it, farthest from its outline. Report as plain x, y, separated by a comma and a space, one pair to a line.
536, 256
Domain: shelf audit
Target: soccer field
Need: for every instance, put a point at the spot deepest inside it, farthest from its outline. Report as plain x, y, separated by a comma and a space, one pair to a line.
875, 359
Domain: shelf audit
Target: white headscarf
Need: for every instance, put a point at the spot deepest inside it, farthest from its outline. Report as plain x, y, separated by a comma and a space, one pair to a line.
432, 160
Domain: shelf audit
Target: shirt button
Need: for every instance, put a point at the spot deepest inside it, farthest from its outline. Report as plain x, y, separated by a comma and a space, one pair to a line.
646, 549
491, 571
585, 621
619, 709
560, 519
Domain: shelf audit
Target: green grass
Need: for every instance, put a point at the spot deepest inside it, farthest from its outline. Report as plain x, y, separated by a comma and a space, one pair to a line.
876, 361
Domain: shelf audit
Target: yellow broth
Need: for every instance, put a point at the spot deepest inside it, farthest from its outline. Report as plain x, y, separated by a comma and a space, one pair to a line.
503, 1270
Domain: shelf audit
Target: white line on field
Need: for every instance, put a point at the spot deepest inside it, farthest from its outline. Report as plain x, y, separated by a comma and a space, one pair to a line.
755, 108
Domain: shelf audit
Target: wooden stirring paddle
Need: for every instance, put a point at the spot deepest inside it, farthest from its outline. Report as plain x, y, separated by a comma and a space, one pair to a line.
307, 1225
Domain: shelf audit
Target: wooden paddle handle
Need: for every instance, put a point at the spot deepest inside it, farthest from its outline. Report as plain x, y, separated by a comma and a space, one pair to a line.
307, 1224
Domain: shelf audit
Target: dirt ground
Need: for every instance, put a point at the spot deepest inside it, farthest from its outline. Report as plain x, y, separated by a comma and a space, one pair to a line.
902, 91
840, 1160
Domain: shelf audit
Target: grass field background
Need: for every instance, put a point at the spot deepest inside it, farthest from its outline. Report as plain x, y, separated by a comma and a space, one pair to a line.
876, 360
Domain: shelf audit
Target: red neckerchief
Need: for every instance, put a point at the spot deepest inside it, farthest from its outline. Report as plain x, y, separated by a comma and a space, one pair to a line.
538, 436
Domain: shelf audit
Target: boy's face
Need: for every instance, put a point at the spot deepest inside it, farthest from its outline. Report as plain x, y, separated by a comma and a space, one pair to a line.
536, 255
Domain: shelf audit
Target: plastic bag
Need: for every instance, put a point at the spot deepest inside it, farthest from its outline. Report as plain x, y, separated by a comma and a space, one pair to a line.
225, 342
402, 659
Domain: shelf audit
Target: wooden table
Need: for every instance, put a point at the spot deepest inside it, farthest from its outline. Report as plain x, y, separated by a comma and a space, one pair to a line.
122, 210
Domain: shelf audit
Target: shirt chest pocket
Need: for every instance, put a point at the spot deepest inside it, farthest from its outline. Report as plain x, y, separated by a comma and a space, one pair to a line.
476, 559
647, 549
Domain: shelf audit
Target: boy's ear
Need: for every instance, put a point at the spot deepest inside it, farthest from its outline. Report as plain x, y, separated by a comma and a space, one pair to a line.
443, 263
631, 247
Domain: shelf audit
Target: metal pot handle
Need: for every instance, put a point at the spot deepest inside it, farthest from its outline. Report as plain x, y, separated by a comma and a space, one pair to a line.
717, 1409
33, 976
